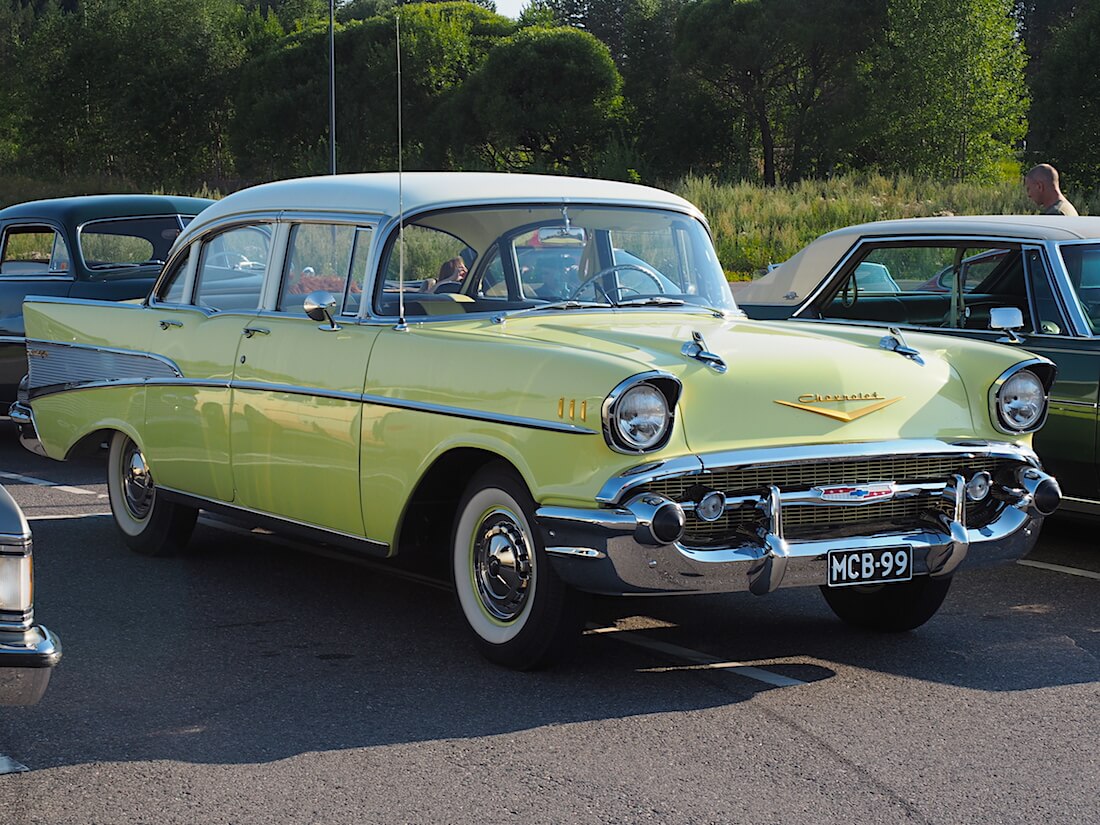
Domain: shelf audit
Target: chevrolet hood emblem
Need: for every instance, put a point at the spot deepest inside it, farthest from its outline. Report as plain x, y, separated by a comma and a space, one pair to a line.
809, 401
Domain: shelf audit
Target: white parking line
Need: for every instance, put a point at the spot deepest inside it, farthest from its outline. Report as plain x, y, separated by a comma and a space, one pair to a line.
41, 482
1057, 568
699, 660
9, 765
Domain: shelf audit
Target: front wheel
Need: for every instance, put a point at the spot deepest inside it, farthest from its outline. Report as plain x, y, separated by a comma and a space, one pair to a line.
890, 608
149, 524
522, 615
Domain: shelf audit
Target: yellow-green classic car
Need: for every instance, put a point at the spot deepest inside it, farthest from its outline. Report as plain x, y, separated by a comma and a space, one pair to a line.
546, 382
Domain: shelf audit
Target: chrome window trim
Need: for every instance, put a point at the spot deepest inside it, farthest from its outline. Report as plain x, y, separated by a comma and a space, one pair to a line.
616, 487
37, 279
995, 388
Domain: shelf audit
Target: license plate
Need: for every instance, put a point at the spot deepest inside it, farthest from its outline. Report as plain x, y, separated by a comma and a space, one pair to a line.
887, 564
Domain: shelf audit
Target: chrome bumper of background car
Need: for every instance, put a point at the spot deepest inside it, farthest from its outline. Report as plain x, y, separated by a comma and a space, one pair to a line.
23, 417
611, 551
26, 662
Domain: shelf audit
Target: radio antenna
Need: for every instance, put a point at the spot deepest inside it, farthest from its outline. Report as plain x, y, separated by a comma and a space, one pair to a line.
401, 325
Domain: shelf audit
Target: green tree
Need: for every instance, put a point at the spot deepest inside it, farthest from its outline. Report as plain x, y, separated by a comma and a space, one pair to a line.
282, 129
546, 99
946, 93
1065, 109
784, 64
97, 102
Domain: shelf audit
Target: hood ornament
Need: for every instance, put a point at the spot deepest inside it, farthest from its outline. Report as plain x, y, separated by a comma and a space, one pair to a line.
697, 348
895, 342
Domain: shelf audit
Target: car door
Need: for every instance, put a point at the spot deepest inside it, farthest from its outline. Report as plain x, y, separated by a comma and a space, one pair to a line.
34, 260
298, 384
198, 319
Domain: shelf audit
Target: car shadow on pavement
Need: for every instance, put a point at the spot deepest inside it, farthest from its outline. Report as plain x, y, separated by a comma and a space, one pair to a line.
246, 651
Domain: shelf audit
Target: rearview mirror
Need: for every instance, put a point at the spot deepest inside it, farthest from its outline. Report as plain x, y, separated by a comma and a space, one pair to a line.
561, 234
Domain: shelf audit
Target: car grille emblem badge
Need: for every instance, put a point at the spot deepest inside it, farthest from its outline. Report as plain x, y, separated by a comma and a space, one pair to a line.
857, 493
809, 402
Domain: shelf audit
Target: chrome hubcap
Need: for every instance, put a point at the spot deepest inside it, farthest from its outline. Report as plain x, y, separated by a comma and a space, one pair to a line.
503, 567
137, 483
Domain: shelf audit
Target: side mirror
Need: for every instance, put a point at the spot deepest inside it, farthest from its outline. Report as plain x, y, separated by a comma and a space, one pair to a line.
1010, 319
319, 306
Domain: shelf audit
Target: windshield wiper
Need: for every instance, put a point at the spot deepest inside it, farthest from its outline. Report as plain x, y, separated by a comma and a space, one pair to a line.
653, 301
570, 304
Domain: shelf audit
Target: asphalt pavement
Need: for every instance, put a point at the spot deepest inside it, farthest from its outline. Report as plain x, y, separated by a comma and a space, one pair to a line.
253, 680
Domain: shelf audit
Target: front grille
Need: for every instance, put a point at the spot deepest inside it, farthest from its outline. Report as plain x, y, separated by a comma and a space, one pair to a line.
804, 521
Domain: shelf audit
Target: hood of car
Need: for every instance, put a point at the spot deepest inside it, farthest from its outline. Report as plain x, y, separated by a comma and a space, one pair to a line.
782, 383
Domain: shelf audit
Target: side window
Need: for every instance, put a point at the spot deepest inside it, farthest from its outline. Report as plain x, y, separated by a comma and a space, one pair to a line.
937, 285
231, 269
317, 258
429, 266
34, 250
174, 288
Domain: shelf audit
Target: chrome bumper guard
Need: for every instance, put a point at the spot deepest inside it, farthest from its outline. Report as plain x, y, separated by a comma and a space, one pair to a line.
619, 551
26, 662
23, 417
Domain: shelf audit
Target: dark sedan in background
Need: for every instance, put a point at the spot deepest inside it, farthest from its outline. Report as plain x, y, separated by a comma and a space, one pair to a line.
1030, 281
109, 247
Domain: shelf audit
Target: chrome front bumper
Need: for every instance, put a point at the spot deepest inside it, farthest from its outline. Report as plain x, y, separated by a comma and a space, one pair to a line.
617, 550
26, 662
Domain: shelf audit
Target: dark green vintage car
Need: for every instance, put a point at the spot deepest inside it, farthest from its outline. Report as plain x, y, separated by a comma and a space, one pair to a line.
1030, 281
109, 247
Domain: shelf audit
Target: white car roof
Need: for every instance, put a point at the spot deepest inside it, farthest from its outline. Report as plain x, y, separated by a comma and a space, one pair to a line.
790, 283
379, 193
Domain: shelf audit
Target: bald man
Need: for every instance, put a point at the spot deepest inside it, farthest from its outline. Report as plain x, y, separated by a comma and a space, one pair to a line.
1041, 184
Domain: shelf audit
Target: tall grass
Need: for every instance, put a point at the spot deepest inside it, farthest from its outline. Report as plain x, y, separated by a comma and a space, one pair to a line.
754, 226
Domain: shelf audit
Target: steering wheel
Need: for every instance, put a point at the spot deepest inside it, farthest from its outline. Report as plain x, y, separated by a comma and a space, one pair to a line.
649, 272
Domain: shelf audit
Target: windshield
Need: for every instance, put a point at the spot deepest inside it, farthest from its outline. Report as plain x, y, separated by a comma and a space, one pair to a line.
493, 259
128, 242
1083, 268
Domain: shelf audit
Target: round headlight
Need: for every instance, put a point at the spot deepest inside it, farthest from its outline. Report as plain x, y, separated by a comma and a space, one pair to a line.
1021, 401
641, 417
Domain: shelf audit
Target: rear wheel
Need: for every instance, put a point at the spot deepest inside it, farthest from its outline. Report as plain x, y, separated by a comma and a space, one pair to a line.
149, 524
891, 608
522, 615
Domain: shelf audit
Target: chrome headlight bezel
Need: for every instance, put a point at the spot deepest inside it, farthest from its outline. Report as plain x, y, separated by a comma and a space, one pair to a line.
1043, 371
667, 386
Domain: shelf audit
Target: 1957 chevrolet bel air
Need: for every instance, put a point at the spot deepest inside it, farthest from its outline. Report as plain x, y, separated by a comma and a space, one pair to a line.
579, 407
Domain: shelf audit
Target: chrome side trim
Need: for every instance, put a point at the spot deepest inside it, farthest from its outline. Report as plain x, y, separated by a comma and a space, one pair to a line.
577, 552
1087, 405
616, 487
36, 278
478, 415
290, 389
55, 364
85, 302
12, 339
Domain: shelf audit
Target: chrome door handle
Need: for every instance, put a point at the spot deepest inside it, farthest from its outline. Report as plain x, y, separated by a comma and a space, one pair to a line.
250, 331
167, 324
